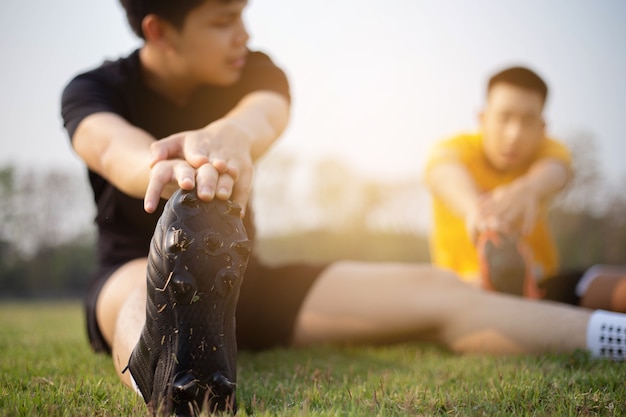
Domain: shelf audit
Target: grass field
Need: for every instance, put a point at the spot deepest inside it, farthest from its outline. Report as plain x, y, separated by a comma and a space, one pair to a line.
47, 369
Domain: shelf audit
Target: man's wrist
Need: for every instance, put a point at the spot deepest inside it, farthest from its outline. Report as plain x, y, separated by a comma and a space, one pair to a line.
527, 187
234, 131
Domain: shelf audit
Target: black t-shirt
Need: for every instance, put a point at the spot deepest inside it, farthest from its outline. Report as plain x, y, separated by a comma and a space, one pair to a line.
124, 228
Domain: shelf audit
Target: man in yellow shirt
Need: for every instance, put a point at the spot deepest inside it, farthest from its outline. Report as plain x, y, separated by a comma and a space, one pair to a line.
499, 180
490, 194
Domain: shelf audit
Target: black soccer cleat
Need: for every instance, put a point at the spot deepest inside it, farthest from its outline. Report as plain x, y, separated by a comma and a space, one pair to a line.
185, 360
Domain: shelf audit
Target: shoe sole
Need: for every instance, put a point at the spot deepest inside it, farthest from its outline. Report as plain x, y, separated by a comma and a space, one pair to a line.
185, 360
502, 265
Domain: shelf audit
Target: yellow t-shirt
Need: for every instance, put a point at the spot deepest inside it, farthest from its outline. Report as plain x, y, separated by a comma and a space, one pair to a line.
450, 244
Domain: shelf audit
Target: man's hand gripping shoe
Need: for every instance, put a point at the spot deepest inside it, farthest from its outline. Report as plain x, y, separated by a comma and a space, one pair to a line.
185, 359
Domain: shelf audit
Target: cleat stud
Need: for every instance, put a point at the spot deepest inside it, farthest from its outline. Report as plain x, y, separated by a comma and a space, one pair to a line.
243, 248
226, 281
213, 242
185, 388
220, 386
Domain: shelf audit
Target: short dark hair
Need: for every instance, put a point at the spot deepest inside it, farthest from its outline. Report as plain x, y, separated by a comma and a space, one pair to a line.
520, 77
174, 11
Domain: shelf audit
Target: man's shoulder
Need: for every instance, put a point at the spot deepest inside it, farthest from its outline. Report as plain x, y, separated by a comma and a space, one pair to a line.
554, 148
112, 72
259, 62
551, 140
462, 147
259, 57
462, 141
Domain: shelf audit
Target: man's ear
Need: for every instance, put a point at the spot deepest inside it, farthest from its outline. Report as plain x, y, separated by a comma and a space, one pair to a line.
154, 29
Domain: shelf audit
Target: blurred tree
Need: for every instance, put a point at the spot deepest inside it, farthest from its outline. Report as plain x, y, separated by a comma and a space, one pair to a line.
7, 252
588, 218
46, 242
342, 198
586, 191
274, 204
42, 209
59, 271
341, 214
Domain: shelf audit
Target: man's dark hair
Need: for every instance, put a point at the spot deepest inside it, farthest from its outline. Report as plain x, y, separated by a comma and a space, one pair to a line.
174, 11
520, 77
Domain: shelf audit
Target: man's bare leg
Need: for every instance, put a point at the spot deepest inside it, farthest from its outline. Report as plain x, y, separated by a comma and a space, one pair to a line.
604, 286
377, 303
121, 312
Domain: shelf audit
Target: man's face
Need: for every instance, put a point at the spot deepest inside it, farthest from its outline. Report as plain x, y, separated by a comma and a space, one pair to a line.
211, 46
512, 126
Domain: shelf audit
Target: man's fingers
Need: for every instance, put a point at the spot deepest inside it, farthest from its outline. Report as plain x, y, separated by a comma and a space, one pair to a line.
220, 165
159, 178
179, 146
225, 184
194, 152
206, 181
241, 193
172, 174
167, 148
231, 185
185, 176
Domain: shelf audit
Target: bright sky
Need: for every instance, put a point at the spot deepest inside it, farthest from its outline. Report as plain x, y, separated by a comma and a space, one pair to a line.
376, 82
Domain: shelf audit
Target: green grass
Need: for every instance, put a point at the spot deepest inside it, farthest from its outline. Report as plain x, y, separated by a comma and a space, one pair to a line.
47, 369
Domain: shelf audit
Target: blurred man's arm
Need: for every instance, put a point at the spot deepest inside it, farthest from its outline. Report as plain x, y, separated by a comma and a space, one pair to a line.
452, 183
516, 205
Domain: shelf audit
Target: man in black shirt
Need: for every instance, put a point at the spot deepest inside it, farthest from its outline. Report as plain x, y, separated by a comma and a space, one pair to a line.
192, 110
194, 75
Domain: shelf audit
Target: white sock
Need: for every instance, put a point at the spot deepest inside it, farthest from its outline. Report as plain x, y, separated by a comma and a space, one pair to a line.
606, 335
134, 384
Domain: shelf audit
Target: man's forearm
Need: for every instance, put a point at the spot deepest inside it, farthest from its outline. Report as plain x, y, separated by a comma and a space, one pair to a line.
451, 183
546, 177
115, 150
264, 116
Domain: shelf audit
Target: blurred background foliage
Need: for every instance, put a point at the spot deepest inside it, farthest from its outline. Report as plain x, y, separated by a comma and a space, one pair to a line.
330, 211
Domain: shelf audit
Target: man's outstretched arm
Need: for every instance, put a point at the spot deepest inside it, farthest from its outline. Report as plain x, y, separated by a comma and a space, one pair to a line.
452, 183
139, 165
520, 200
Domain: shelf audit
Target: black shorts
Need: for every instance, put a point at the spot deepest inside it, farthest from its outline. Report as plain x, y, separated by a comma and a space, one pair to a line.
562, 287
269, 302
